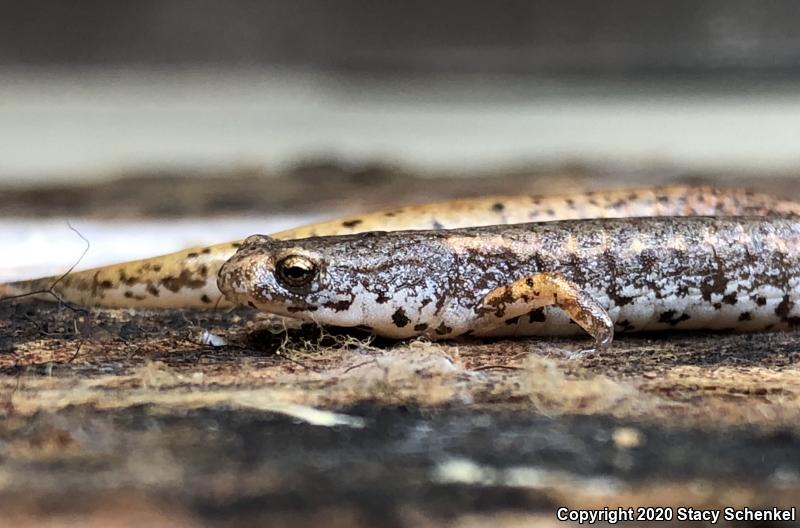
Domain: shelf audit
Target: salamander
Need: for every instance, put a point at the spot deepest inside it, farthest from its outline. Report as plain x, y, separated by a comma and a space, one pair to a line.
594, 275
187, 278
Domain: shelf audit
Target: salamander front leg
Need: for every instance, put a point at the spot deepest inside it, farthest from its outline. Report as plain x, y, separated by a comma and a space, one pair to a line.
548, 289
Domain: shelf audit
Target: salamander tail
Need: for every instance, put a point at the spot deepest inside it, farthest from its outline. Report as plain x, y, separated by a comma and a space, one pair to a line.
34, 289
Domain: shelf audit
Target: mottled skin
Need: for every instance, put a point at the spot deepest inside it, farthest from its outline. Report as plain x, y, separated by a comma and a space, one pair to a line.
736, 273
187, 279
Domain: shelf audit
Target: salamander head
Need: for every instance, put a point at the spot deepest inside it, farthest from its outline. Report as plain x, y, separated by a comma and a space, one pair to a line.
395, 285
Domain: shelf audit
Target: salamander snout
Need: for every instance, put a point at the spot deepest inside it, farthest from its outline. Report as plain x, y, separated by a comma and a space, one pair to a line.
247, 268
238, 276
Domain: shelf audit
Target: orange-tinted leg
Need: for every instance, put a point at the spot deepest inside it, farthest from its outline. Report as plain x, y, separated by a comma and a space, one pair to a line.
548, 289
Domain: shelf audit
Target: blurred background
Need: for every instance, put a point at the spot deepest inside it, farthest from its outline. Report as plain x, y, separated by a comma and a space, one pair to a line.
236, 93
93, 88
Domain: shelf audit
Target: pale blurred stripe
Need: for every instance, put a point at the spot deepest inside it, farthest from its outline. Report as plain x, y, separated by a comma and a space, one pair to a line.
34, 248
84, 124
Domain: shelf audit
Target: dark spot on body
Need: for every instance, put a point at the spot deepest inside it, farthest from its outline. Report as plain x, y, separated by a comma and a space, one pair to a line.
205, 298
206, 251
498, 207
745, 316
389, 214
420, 327
550, 212
152, 290
128, 281
130, 295
439, 304
156, 267
783, 310
251, 304
185, 280
669, 318
192, 255
513, 320
382, 298
625, 326
649, 259
339, 306
730, 298
437, 225
352, 223
426, 302
537, 316
443, 329
303, 308
106, 284
614, 290
717, 283
234, 245
761, 301
400, 319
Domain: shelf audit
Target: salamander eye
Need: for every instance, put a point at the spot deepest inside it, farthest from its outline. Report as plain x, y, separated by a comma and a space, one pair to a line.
296, 271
